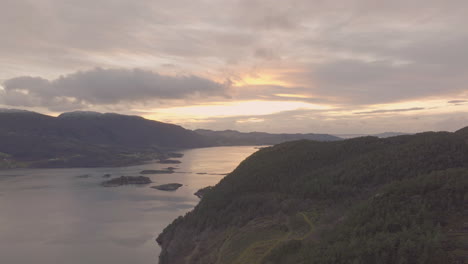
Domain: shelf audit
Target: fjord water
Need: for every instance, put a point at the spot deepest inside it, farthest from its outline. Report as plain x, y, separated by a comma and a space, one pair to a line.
65, 216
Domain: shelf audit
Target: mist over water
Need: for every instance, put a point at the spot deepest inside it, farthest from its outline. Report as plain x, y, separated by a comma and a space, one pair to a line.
65, 216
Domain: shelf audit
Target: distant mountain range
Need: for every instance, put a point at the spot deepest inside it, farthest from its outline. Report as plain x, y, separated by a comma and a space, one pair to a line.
91, 139
235, 138
380, 135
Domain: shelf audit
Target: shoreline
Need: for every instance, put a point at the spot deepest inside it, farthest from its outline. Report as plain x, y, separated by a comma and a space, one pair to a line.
166, 156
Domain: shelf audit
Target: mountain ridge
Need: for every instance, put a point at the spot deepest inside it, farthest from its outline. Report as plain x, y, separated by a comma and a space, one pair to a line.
234, 137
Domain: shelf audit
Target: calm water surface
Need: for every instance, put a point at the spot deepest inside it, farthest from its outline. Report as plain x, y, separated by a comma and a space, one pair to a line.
56, 216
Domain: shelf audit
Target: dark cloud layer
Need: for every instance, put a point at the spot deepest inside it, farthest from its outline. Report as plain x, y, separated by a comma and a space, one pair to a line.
104, 86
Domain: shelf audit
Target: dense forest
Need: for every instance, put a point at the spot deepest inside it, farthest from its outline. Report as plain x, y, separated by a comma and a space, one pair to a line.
365, 200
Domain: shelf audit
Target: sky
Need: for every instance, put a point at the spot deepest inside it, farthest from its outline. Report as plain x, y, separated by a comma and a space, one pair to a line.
296, 66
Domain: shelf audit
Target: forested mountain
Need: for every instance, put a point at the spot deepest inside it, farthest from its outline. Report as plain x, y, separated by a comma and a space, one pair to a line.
236, 138
365, 200
88, 139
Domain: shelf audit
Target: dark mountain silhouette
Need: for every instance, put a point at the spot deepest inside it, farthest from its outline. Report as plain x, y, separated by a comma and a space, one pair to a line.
88, 138
130, 131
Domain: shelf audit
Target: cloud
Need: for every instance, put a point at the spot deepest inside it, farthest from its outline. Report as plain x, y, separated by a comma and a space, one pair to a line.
323, 121
105, 87
359, 82
382, 111
250, 120
277, 93
457, 101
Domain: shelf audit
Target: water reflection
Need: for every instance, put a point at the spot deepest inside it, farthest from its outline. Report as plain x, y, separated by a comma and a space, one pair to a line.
60, 216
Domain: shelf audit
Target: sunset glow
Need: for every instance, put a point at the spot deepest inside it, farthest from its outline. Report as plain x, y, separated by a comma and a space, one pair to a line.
245, 108
261, 79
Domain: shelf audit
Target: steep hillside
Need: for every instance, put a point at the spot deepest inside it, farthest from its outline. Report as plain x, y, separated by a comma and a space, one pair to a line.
235, 138
366, 200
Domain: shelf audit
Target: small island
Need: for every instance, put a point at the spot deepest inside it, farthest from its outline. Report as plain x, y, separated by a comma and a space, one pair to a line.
169, 161
166, 171
126, 180
168, 187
